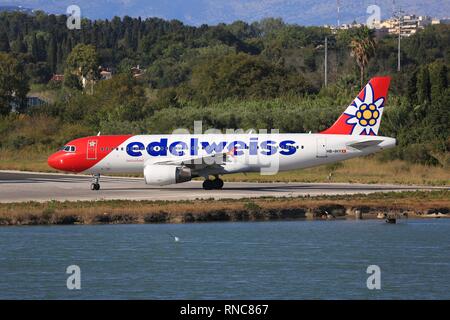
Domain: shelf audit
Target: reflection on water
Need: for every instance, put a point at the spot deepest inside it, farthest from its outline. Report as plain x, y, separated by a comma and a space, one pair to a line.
264, 260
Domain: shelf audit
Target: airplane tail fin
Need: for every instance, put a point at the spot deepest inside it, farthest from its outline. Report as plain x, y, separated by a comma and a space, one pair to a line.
363, 115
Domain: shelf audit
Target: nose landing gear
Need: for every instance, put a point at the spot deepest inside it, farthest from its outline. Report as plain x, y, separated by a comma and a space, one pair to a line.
216, 184
95, 185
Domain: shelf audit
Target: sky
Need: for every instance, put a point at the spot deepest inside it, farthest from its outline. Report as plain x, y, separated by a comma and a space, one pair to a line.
197, 12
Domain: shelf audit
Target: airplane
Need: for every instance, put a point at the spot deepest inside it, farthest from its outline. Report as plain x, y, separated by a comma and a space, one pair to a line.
166, 159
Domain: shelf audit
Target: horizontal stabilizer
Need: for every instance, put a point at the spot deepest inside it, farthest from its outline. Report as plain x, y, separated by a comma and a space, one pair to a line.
364, 144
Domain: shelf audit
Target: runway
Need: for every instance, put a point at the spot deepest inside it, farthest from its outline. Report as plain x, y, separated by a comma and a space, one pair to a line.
16, 186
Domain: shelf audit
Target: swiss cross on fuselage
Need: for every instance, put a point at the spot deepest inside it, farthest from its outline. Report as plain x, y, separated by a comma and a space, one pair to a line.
91, 150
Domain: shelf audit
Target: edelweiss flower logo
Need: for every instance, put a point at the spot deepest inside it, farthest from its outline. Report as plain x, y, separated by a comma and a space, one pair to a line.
364, 114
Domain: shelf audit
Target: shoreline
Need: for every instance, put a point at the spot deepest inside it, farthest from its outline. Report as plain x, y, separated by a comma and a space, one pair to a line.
419, 204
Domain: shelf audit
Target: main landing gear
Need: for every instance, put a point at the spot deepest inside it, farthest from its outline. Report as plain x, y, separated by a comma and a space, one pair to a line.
95, 185
217, 184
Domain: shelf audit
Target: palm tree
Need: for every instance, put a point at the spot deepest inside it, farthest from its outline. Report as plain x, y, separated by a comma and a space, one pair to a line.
362, 48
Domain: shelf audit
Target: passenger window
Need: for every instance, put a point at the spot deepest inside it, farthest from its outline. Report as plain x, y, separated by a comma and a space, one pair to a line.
72, 149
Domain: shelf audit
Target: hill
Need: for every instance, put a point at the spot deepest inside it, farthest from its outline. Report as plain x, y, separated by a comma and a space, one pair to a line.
198, 12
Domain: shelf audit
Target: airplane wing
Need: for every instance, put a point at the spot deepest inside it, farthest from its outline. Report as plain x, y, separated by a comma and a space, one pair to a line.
364, 144
201, 162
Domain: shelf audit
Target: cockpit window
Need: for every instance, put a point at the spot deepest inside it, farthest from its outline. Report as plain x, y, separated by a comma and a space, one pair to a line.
68, 148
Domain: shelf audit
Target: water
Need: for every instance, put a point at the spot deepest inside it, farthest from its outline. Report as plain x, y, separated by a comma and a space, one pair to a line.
267, 260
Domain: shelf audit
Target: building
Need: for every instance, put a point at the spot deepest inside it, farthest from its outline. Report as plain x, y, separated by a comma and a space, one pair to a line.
137, 71
409, 25
354, 24
105, 75
440, 21
57, 78
344, 26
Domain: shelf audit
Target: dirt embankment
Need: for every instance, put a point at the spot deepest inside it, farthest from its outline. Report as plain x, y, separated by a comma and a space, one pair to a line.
412, 204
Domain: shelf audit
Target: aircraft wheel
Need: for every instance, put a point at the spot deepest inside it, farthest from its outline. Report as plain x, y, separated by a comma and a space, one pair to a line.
95, 186
208, 184
95, 182
218, 183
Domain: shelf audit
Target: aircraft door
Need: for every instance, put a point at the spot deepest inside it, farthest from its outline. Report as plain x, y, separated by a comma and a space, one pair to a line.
321, 144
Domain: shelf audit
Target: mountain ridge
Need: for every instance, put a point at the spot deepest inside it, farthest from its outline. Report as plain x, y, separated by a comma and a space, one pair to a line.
197, 12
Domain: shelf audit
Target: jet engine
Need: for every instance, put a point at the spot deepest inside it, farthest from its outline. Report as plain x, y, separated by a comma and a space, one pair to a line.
160, 175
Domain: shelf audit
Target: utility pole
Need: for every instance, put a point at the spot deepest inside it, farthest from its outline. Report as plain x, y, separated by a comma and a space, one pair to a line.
398, 14
326, 62
399, 42
338, 3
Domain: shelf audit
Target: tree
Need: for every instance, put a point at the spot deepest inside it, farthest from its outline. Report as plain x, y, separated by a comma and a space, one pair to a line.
34, 47
438, 80
125, 65
242, 30
4, 42
269, 25
411, 89
83, 62
19, 46
362, 48
423, 85
13, 84
52, 53
310, 59
72, 81
38, 72
242, 75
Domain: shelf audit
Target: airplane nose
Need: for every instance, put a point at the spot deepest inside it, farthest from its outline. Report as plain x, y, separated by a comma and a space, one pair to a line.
55, 161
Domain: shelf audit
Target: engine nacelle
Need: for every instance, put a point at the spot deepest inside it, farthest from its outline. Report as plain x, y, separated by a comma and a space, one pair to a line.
160, 175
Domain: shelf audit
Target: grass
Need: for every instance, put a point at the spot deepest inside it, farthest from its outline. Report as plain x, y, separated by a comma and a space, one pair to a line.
126, 211
25, 160
359, 170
